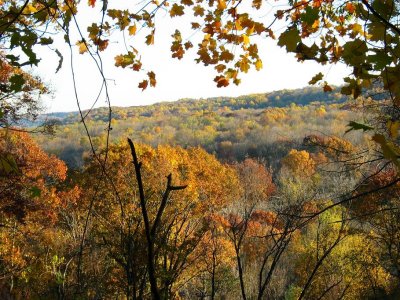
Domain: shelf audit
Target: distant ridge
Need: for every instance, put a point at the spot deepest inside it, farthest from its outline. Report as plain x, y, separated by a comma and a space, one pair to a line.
280, 98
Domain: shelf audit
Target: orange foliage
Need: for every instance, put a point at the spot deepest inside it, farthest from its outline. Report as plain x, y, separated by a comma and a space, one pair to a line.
24, 187
256, 181
266, 218
373, 202
29, 207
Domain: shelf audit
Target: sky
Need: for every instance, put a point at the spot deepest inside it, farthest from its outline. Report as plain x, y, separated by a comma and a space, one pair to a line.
176, 79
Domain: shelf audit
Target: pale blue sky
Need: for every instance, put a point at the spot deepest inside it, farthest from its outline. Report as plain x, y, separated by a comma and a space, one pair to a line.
175, 79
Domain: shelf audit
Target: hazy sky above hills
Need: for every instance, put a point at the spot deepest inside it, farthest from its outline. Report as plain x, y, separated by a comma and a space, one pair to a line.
175, 79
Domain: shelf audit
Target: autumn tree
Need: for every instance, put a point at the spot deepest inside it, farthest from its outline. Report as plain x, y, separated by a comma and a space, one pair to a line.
335, 260
177, 218
256, 232
29, 209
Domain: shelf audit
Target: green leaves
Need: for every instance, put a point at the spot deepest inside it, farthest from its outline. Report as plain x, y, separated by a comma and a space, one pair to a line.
46, 41
380, 59
310, 15
354, 52
25, 40
8, 165
358, 126
125, 60
389, 150
316, 78
16, 83
289, 39
35, 192
352, 88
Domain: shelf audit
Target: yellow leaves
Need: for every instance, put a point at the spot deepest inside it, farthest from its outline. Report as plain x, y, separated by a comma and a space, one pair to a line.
238, 24
253, 51
393, 127
246, 39
221, 4
212, 28
95, 36
389, 150
29, 9
198, 11
82, 46
176, 10
231, 74
244, 64
150, 38
93, 31
125, 60
250, 29
258, 64
132, 29
299, 163
357, 29
315, 25
119, 60
320, 111
220, 68
33, 169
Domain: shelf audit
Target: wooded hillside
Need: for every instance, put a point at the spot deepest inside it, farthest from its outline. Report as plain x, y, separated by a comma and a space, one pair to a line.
262, 125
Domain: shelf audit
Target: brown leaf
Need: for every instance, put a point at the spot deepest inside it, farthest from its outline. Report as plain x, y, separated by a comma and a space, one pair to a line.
327, 88
152, 78
221, 81
150, 38
143, 85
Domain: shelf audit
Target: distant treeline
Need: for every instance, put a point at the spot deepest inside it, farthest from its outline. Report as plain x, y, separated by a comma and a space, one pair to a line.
281, 98
262, 125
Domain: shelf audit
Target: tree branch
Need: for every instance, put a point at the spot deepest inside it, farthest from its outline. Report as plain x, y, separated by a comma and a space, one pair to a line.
384, 21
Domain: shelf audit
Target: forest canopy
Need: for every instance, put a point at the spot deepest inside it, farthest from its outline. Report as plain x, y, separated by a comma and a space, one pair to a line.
211, 199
